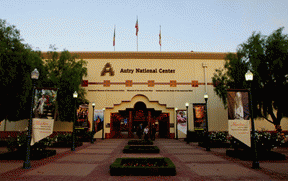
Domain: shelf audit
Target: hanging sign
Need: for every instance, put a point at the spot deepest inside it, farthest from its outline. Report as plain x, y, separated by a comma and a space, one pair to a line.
43, 114
238, 115
182, 120
199, 116
99, 119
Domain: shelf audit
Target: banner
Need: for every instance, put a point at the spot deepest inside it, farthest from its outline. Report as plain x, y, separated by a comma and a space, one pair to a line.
240, 129
238, 115
82, 115
43, 114
99, 119
182, 120
238, 104
41, 128
199, 116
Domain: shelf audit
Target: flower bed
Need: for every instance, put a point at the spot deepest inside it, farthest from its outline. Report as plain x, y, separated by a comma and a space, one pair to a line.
141, 149
140, 142
142, 166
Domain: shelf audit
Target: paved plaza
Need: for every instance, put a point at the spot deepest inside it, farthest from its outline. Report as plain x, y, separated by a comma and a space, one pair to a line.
92, 161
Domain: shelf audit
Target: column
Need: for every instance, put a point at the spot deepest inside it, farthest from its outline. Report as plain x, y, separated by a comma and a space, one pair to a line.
130, 133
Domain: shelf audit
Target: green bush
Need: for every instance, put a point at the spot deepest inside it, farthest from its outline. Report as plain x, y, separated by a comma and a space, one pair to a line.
19, 143
219, 136
265, 141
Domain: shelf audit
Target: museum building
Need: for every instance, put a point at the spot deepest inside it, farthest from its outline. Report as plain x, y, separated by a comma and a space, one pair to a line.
152, 88
148, 88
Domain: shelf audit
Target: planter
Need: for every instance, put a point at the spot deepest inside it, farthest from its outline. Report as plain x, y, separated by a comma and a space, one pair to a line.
142, 166
141, 149
20, 155
65, 144
215, 144
249, 155
140, 142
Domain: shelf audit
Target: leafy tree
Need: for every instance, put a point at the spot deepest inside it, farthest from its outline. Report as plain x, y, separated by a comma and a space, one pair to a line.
267, 58
17, 61
65, 73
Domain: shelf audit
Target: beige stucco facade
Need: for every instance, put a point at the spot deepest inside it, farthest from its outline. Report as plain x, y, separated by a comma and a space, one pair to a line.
171, 79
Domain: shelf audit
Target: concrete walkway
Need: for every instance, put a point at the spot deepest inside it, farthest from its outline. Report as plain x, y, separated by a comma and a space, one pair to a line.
92, 161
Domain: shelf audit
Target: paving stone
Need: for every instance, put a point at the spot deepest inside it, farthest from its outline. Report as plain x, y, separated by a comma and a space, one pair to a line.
191, 151
219, 150
276, 167
199, 158
59, 150
102, 147
84, 158
64, 169
5, 167
179, 146
107, 151
227, 171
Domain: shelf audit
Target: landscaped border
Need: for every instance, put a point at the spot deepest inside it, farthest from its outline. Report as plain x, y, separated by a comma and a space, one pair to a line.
117, 169
141, 149
140, 142
20, 155
249, 155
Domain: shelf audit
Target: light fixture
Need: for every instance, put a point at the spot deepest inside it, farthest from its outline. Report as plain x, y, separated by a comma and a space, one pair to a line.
75, 94
249, 76
205, 96
35, 74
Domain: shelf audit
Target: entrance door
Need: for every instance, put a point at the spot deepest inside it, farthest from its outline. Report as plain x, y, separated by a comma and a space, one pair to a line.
163, 129
115, 126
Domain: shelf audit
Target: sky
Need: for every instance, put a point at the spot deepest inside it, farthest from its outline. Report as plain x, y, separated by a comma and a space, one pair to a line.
190, 25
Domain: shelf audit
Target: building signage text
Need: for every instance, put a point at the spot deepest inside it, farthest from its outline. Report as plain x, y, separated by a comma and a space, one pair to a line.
139, 70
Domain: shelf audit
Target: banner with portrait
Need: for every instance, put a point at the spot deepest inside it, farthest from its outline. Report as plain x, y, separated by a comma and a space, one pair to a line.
238, 104
199, 116
182, 120
43, 113
238, 115
82, 122
98, 119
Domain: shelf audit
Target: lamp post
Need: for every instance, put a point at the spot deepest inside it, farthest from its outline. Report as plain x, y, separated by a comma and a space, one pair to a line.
75, 95
34, 77
187, 138
207, 131
103, 124
93, 123
176, 121
249, 78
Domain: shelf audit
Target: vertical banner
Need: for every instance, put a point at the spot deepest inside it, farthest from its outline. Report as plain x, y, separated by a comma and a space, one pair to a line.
238, 115
182, 120
199, 116
43, 114
82, 117
99, 119
238, 104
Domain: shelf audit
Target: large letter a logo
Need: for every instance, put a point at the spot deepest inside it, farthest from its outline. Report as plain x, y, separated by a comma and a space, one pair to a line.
107, 69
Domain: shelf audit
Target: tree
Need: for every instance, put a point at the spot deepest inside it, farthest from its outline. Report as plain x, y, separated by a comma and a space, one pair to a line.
267, 58
17, 61
65, 73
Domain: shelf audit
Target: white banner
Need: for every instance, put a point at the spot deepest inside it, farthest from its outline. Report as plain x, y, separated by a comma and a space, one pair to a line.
41, 128
182, 120
240, 129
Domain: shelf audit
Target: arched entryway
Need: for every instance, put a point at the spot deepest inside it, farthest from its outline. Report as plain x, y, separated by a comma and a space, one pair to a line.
124, 122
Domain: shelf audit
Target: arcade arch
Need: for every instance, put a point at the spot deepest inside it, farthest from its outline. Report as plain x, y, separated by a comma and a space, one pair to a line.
126, 116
